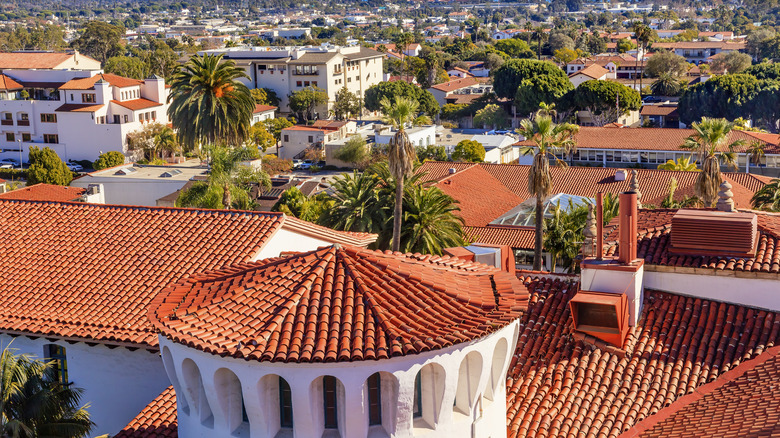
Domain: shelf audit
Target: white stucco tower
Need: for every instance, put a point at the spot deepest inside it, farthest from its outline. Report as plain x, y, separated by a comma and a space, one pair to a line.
341, 342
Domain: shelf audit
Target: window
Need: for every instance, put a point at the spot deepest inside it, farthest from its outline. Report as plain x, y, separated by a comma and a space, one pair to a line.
314, 83
56, 353
374, 399
311, 139
126, 118
26, 136
88, 98
24, 117
306, 83
286, 138
154, 115
285, 404
298, 83
49, 118
329, 395
116, 118
51, 138
9, 136
417, 408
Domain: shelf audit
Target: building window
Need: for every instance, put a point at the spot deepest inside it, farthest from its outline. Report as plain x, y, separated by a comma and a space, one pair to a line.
88, 98
286, 138
24, 117
26, 136
126, 118
51, 138
116, 118
9, 136
417, 407
298, 83
311, 139
314, 83
56, 354
331, 410
49, 118
154, 115
306, 83
285, 404
374, 399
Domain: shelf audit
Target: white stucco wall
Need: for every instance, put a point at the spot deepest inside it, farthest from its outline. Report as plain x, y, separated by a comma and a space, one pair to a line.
117, 382
132, 191
463, 393
617, 281
288, 240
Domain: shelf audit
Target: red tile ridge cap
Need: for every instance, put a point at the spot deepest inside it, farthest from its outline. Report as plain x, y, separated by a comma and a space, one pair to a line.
699, 393
314, 230
457, 173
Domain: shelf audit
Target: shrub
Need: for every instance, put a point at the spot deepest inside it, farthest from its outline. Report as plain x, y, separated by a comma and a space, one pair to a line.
47, 167
108, 159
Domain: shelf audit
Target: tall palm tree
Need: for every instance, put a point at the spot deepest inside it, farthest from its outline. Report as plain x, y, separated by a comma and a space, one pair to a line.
358, 206
643, 35
756, 151
33, 403
401, 153
227, 186
166, 141
208, 103
666, 85
430, 222
768, 198
548, 138
708, 142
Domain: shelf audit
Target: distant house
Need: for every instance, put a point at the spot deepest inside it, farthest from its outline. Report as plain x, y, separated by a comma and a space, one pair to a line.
619, 66
467, 85
263, 113
457, 72
698, 52
660, 116
589, 73
297, 139
499, 149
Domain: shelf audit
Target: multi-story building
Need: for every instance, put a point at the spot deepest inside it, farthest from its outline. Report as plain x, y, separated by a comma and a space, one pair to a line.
286, 70
65, 101
698, 52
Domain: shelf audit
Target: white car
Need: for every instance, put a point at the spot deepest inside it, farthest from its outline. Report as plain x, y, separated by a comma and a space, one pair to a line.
7, 163
75, 167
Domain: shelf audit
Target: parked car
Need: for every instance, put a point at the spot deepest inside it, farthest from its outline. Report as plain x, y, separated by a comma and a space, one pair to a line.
653, 99
8, 163
320, 164
75, 167
296, 164
306, 164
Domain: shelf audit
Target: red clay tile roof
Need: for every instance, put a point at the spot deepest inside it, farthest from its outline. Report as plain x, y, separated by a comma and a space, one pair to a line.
482, 197
744, 402
654, 236
307, 128
515, 237
137, 104
78, 108
338, 304
558, 385
157, 420
33, 60
594, 71
456, 84
723, 45
89, 83
45, 192
656, 139
658, 110
116, 258
263, 108
7, 83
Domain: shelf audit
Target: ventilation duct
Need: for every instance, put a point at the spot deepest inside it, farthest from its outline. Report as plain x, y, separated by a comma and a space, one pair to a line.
717, 233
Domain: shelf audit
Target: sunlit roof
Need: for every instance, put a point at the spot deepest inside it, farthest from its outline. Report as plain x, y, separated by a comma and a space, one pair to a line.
523, 214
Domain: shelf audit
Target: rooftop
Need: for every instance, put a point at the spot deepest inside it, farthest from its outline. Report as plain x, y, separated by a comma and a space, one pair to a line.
456, 84
338, 304
89, 83
135, 172
36, 60
137, 104
45, 192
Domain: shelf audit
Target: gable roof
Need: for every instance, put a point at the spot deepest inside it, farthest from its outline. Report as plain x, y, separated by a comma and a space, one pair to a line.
116, 258
8, 83
137, 104
263, 108
480, 196
35, 60
456, 84
594, 71
45, 192
89, 83
158, 419
561, 384
368, 304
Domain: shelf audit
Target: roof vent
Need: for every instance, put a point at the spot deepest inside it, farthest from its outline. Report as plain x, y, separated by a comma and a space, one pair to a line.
452, 170
620, 175
170, 173
602, 315
717, 233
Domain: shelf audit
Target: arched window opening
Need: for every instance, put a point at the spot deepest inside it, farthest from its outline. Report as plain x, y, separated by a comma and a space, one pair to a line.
285, 404
374, 400
497, 373
417, 410
330, 402
429, 396
231, 399
469, 375
193, 387
181, 400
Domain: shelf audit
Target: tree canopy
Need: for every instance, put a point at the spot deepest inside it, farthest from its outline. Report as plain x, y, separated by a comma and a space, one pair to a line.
598, 96
304, 102
100, 40
510, 76
470, 151
46, 167
728, 96
109, 159
389, 90
664, 61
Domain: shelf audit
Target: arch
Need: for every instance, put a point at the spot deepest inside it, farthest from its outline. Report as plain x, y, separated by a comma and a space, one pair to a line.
497, 373
328, 401
276, 402
429, 395
388, 390
193, 388
231, 400
469, 374
181, 401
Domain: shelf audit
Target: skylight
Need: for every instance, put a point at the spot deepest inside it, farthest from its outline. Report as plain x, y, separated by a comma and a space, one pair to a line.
523, 214
170, 173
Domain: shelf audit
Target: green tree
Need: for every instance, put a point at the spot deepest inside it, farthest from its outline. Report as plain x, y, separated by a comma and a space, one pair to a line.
491, 116
357, 205
731, 62
228, 183
563, 234
391, 90
346, 105
46, 167
35, 404
354, 151
470, 151
208, 103
548, 138
294, 203
265, 96
728, 96
765, 70
664, 61
260, 137
624, 45
126, 66
530, 82
515, 48
681, 164
666, 85
100, 40
644, 35
401, 153
431, 152
303, 103
708, 142
768, 197
109, 159
153, 139
276, 125
600, 98
565, 56
430, 222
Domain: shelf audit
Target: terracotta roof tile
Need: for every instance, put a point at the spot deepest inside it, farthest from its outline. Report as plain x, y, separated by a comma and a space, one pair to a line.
78, 108
456, 84
8, 83
34, 60
723, 45
157, 420
560, 386
482, 197
594, 71
338, 304
45, 192
658, 110
515, 237
89, 83
263, 108
137, 104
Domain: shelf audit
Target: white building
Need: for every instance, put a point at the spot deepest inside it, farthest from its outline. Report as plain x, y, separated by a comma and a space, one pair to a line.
419, 136
263, 113
357, 372
289, 69
499, 149
65, 102
297, 139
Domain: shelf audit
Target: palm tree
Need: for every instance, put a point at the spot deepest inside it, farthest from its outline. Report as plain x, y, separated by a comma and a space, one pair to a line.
358, 206
564, 235
670, 202
33, 403
227, 186
756, 151
681, 164
666, 85
401, 153
430, 222
402, 42
548, 138
166, 141
208, 104
643, 35
768, 198
708, 142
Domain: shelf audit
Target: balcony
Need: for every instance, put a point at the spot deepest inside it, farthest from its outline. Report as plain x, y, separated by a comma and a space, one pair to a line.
23, 122
7, 122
